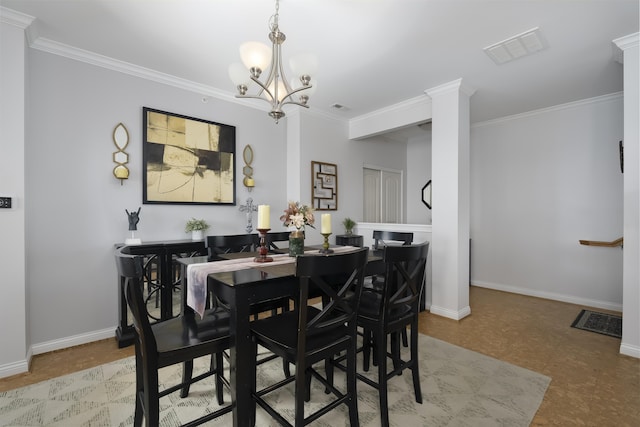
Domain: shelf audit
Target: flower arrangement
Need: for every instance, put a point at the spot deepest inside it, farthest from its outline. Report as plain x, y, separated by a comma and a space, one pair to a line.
195, 225
298, 216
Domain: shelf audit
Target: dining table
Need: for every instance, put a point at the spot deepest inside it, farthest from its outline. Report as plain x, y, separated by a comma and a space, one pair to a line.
241, 282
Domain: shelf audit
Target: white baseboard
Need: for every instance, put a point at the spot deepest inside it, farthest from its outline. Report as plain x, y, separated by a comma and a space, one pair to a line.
14, 368
605, 305
630, 350
74, 340
450, 314
22, 366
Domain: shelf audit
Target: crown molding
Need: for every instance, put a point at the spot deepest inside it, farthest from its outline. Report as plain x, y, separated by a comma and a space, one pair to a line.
452, 86
17, 19
568, 105
623, 43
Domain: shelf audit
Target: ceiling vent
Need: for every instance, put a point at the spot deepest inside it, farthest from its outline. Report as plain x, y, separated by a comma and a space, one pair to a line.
515, 47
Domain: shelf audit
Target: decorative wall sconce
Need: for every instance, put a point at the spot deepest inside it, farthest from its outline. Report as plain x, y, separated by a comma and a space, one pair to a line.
120, 157
247, 170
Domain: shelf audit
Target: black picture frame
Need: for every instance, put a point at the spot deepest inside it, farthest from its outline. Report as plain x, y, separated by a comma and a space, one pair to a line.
187, 160
426, 194
324, 186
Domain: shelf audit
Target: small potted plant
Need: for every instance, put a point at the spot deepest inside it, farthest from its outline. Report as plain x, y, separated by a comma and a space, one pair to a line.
348, 225
196, 227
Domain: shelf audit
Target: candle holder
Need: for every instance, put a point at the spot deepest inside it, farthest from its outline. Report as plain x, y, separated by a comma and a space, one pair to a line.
325, 246
263, 247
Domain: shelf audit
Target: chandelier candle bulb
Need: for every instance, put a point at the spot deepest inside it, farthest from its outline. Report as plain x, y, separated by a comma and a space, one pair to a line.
326, 224
263, 217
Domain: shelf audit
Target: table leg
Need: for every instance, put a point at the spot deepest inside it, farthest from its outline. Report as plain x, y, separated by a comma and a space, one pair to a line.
244, 409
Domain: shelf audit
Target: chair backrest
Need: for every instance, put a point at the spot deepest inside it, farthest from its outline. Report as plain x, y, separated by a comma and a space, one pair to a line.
382, 237
272, 238
217, 245
404, 280
131, 269
338, 280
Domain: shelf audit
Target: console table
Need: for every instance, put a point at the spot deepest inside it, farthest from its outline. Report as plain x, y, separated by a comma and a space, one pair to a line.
161, 277
349, 240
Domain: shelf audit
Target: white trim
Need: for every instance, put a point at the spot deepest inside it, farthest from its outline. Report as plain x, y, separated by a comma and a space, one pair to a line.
424, 228
17, 19
630, 350
74, 340
605, 305
14, 368
450, 314
568, 105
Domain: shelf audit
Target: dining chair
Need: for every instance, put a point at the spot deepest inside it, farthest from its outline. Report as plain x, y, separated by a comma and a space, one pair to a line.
381, 239
169, 342
387, 314
232, 243
276, 237
308, 335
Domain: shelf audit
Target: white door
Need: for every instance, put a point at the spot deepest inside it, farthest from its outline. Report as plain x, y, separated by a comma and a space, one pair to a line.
382, 195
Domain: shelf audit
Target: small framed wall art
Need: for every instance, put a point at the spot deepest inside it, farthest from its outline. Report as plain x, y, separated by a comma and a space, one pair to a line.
324, 186
187, 160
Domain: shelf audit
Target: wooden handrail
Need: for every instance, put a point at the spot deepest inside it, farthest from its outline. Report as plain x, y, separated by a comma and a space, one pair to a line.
612, 244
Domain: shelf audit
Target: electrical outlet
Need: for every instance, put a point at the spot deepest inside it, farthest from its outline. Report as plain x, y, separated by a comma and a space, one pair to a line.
5, 202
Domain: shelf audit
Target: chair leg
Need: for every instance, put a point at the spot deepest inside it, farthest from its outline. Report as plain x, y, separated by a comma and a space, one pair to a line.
366, 349
395, 350
382, 379
151, 398
415, 363
300, 394
328, 369
351, 385
137, 416
218, 366
405, 341
187, 372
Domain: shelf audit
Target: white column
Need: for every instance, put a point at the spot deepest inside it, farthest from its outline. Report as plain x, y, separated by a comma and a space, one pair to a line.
14, 354
294, 155
450, 200
631, 181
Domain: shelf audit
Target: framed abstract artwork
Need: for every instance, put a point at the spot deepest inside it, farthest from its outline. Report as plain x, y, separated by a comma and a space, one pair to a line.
324, 186
187, 160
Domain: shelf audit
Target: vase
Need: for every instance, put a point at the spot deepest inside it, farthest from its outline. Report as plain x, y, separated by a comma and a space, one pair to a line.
197, 235
296, 243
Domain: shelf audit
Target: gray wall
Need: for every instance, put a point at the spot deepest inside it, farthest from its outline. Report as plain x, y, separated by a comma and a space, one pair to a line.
541, 182
75, 207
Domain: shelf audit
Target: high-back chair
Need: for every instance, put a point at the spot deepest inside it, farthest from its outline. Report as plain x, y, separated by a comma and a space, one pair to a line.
389, 313
173, 341
224, 244
272, 240
308, 335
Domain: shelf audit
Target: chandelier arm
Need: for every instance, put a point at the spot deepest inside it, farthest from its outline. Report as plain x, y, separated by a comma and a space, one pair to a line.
293, 92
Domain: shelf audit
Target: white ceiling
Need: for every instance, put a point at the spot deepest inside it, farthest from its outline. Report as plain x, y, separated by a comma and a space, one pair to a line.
372, 53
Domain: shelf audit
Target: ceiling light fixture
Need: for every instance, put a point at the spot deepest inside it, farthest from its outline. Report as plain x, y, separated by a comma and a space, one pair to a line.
276, 90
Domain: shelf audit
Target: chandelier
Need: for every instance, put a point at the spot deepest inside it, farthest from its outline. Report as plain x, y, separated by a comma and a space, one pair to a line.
275, 89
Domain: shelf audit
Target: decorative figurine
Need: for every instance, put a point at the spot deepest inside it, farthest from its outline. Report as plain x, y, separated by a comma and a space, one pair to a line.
134, 218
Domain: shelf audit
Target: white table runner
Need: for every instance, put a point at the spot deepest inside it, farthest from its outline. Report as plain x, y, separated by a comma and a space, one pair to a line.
197, 273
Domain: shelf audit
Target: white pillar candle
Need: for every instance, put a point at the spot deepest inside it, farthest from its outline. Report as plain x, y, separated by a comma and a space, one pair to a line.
263, 217
326, 224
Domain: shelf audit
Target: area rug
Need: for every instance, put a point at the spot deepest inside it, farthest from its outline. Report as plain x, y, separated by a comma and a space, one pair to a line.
460, 388
602, 323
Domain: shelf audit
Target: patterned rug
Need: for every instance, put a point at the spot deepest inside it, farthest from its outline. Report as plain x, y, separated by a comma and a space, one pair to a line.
602, 323
460, 388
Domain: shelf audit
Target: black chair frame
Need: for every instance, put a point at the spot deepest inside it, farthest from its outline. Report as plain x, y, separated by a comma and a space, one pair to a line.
173, 341
308, 335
